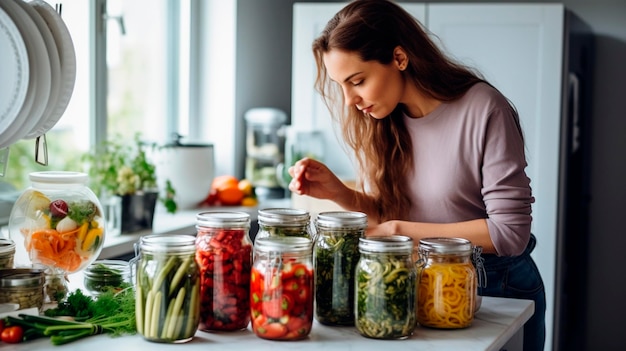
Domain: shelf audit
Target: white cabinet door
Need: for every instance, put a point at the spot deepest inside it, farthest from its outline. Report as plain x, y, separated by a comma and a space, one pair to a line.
519, 49
308, 111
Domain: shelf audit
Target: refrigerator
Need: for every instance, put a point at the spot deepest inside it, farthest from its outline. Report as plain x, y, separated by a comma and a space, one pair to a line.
540, 56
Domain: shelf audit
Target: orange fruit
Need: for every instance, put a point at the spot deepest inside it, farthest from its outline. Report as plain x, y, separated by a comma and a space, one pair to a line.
230, 195
245, 186
224, 181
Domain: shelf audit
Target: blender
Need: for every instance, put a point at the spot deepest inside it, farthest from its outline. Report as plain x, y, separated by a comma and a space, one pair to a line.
265, 145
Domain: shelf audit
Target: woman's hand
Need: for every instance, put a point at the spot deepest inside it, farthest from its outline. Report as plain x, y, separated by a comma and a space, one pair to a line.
382, 229
313, 178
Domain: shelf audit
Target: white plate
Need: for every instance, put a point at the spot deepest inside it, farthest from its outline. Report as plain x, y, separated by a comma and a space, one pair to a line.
40, 72
46, 106
67, 56
14, 71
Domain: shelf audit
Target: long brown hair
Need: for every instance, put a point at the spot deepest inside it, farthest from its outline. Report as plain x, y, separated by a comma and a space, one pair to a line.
383, 149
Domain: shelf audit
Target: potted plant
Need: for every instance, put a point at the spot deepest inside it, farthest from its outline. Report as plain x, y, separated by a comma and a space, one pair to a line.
118, 169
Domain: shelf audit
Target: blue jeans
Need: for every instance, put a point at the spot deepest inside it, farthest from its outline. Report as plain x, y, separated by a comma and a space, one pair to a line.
518, 277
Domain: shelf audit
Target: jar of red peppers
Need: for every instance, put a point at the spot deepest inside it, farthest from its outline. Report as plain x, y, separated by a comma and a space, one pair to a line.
275, 222
281, 288
224, 254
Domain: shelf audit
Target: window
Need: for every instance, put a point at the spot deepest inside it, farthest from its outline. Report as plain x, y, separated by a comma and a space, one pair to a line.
133, 76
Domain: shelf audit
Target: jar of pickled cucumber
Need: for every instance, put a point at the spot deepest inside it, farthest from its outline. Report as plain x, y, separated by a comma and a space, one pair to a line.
283, 222
7, 253
167, 288
281, 288
224, 254
385, 288
447, 284
335, 256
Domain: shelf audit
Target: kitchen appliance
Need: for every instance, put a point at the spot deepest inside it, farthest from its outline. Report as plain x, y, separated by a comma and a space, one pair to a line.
265, 148
540, 57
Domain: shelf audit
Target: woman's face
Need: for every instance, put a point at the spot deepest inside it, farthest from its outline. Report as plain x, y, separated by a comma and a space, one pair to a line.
373, 88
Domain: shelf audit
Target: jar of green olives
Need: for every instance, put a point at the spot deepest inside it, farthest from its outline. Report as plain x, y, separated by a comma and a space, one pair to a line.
335, 256
386, 278
22, 286
283, 222
167, 288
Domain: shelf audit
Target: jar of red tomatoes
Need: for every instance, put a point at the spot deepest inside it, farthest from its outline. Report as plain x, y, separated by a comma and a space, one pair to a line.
224, 254
281, 288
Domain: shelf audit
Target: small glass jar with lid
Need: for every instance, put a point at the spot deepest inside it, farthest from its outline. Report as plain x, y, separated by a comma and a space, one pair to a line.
335, 256
22, 286
224, 256
7, 253
386, 284
281, 288
57, 223
448, 283
106, 275
167, 288
284, 222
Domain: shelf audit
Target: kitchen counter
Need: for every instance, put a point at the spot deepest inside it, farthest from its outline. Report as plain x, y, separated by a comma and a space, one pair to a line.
497, 325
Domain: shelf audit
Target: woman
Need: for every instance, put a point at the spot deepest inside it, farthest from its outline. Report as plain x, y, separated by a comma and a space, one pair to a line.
440, 151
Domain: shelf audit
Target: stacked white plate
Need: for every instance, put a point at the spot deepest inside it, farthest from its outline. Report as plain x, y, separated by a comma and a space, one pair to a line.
37, 69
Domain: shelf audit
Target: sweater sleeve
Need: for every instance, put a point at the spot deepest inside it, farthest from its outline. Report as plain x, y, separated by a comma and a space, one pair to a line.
506, 188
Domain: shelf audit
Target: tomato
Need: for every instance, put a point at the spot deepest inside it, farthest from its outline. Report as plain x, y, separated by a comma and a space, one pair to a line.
272, 331
298, 324
12, 335
1, 325
278, 306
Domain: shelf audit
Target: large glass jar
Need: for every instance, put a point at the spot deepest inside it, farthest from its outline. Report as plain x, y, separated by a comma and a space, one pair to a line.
57, 223
385, 288
281, 288
335, 256
167, 288
22, 286
447, 283
224, 254
283, 222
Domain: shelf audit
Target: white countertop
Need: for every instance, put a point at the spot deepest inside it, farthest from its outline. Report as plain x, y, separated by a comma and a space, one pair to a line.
498, 320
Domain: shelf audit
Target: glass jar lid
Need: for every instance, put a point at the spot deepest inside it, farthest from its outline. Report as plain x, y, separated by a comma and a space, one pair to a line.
341, 219
221, 219
283, 244
284, 217
446, 245
21, 277
394, 243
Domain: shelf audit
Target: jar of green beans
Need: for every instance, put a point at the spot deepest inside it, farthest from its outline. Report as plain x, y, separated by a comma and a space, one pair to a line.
278, 222
335, 256
167, 288
385, 301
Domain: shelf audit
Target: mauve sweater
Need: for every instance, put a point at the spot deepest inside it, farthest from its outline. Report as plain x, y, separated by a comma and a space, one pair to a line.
469, 164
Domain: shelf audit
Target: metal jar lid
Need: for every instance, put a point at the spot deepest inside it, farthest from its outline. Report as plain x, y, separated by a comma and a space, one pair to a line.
386, 244
223, 219
341, 219
170, 243
446, 245
7, 246
21, 278
283, 217
283, 244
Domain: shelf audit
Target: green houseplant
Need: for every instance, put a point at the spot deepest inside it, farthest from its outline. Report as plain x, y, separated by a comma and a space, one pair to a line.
122, 169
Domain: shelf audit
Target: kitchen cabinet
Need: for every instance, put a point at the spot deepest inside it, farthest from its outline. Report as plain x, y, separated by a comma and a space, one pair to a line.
538, 56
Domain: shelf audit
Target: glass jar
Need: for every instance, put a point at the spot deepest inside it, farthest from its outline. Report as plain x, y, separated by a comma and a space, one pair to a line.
57, 223
335, 256
105, 275
447, 285
282, 222
7, 253
386, 281
167, 288
281, 288
224, 254
22, 286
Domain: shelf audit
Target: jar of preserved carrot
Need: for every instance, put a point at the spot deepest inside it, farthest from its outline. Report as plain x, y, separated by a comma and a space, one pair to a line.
385, 288
447, 283
281, 288
224, 254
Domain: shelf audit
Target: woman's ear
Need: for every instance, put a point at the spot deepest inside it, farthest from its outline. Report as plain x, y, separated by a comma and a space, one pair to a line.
400, 58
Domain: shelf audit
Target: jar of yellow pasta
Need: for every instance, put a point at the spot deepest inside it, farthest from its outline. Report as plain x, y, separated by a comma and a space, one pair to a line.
447, 283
